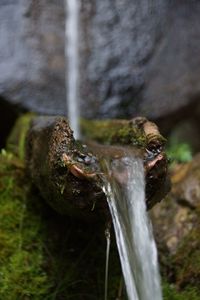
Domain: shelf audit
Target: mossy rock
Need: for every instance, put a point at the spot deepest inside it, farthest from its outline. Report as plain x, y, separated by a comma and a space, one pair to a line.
116, 132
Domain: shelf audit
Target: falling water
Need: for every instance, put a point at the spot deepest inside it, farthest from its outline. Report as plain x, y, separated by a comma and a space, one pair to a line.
136, 246
72, 64
107, 235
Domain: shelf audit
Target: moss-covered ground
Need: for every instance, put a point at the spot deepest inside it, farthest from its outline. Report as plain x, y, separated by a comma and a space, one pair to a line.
22, 275
47, 256
44, 255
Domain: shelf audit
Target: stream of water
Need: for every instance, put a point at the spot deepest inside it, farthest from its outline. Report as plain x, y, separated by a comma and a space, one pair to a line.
125, 190
72, 64
133, 230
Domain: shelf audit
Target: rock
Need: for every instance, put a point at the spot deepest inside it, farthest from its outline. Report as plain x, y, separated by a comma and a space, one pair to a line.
32, 54
68, 174
176, 223
187, 183
136, 57
174, 218
172, 78
141, 58
119, 40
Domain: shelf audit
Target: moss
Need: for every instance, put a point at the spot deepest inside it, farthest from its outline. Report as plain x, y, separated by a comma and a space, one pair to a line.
16, 140
44, 255
22, 273
182, 269
115, 132
171, 293
179, 152
187, 259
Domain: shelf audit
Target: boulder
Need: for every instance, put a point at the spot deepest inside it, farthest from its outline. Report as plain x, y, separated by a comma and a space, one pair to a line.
136, 57
119, 40
32, 54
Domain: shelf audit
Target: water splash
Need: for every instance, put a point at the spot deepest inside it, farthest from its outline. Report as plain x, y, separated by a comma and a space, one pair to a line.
135, 242
72, 64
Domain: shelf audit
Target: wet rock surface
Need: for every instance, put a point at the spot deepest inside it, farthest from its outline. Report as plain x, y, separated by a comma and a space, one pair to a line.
69, 174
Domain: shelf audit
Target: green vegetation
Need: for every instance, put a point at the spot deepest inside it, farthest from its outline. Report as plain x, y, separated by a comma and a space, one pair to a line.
170, 292
179, 152
115, 132
44, 255
187, 258
16, 140
21, 262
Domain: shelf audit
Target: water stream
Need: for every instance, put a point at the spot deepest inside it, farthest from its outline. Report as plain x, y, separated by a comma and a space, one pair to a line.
72, 64
107, 235
125, 191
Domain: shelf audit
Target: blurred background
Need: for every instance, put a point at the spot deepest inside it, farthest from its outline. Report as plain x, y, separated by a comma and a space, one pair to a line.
136, 57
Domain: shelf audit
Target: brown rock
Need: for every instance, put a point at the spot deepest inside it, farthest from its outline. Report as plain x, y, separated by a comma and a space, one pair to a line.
176, 223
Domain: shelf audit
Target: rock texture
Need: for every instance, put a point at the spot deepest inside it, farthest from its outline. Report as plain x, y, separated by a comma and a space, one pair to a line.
70, 175
120, 38
137, 57
32, 54
172, 78
177, 227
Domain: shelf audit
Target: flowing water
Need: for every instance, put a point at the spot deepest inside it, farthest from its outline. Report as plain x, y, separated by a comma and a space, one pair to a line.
125, 190
107, 235
72, 64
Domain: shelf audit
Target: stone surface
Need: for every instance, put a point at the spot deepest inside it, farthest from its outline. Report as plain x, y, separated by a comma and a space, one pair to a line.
176, 223
172, 78
119, 39
32, 54
177, 216
137, 57
142, 58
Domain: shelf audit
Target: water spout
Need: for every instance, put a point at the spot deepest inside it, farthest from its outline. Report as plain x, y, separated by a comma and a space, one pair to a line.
135, 242
72, 64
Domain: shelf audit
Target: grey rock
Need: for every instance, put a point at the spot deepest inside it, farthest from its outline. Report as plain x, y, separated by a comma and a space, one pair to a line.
32, 60
119, 39
136, 56
172, 79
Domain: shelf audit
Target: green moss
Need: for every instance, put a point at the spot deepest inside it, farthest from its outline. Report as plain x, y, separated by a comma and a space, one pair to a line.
171, 293
115, 132
184, 269
187, 259
21, 244
44, 255
16, 140
179, 152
